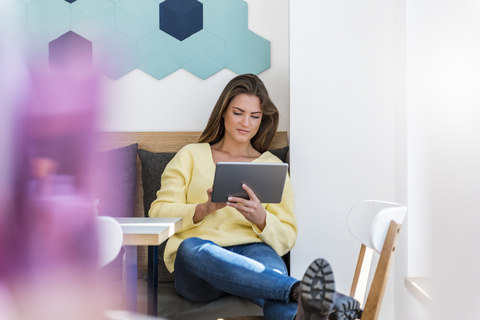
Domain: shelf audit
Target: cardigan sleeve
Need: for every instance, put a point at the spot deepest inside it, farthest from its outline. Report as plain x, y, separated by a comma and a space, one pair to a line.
172, 197
280, 231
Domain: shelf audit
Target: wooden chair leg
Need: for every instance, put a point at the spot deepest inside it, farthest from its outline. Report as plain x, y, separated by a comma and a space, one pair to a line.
379, 283
360, 278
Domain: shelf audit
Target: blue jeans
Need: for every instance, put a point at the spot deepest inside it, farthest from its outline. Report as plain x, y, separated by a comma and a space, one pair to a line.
205, 271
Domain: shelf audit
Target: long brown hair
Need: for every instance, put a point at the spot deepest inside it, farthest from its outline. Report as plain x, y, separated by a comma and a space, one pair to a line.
251, 85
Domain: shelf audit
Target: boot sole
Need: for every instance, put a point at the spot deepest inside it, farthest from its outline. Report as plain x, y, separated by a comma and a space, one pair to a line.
318, 290
348, 309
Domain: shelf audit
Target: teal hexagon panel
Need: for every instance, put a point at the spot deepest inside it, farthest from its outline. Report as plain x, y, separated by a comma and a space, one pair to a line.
156, 36
226, 18
248, 53
30, 46
13, 21
136, 18
48, 19
159, 54
115, 54
93, 18
203, 54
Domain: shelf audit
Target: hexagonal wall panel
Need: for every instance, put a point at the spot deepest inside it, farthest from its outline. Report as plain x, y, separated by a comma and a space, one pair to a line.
48, 19
114, 54
248, 53
159, 54
136, 18
13, 19
181, 18
203, 54
30, 46
225, 18
68, 49
93, 18
157, 36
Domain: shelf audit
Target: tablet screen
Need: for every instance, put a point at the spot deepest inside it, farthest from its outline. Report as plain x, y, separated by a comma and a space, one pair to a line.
267, 180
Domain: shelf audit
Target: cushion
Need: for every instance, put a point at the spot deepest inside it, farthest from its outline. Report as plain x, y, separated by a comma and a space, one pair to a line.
153, 165
281, 153
175, 307
115, 187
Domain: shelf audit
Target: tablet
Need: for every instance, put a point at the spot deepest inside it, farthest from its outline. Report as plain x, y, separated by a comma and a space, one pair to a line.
267, 180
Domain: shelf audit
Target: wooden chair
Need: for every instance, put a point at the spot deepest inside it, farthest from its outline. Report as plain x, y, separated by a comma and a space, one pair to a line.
377, 226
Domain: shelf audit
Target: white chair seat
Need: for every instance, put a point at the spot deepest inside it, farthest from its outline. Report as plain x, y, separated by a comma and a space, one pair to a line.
368, 221
110, 239
376, 224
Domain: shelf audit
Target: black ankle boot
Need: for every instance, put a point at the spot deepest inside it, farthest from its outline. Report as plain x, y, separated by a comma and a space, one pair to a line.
345, 308
317, 292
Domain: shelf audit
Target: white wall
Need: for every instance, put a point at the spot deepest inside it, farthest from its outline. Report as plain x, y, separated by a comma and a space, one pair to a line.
183, 102
342, 125
420, 132
443, 48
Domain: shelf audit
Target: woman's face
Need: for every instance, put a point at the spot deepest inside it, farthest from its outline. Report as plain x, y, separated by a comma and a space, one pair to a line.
243, 117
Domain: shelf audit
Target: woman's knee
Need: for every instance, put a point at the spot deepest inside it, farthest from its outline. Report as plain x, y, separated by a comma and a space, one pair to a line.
191, 246
267, 256
187, 246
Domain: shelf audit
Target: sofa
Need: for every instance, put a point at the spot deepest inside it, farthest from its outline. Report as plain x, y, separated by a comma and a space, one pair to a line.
132, 164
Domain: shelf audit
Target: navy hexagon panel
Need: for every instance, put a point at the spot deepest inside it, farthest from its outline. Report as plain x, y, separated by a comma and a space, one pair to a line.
156, 36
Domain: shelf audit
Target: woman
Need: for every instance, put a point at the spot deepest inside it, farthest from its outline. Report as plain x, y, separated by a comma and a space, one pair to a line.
236, 247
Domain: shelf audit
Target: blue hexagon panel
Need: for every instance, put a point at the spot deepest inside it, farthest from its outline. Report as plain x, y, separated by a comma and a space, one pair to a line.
181, 18
156, 36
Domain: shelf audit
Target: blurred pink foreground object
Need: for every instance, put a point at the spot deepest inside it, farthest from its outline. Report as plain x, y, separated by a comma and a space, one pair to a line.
48, 243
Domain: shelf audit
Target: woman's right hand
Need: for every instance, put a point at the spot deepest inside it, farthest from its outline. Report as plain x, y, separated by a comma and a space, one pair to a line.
204, 209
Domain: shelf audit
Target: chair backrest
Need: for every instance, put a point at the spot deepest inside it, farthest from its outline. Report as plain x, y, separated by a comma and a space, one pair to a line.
376, 224
110, 239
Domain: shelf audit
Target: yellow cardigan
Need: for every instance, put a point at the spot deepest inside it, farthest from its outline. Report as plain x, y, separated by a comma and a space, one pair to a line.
184, 185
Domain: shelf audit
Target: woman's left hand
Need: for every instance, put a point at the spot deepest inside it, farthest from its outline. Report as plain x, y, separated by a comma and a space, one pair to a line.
251, 209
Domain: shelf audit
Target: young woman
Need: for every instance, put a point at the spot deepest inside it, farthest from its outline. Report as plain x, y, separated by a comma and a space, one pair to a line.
236, 247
